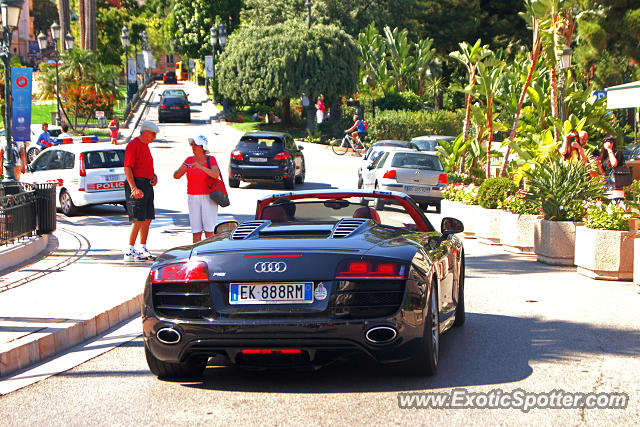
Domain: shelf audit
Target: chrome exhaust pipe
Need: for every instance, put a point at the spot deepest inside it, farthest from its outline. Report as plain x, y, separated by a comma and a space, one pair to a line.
168, 336
381, 334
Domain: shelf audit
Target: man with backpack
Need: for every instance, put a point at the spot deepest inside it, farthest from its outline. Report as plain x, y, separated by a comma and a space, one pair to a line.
359, 130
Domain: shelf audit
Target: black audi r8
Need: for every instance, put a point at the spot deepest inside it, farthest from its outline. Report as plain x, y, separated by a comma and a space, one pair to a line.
318, 276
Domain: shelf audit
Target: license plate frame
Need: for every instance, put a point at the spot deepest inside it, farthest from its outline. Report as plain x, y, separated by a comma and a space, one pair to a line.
237, 291
112, 178
258, 159
417, 189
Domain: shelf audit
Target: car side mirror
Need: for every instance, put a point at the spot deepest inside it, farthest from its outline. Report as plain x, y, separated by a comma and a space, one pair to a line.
450, 226
29, 168
225, 227
370, 167
300, 147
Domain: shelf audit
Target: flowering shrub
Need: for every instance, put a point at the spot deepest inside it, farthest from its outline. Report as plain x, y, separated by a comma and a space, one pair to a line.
607, 216
517, 204
453, 192
469, 195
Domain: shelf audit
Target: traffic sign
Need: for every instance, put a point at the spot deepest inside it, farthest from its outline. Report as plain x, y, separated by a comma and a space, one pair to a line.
599, 94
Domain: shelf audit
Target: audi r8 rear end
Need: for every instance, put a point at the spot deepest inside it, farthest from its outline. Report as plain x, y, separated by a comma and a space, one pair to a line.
317, 277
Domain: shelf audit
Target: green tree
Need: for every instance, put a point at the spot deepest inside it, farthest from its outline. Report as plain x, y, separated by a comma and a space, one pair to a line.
191, 20
286, 60
45, 13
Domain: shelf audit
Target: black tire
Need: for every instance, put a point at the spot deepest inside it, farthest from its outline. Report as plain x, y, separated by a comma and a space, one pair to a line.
189, 369
289, 183
234, 183
460, 315
379, 202
32, 153
303, 172
66, 204
427, 357
438, 206
338, 148
424, 206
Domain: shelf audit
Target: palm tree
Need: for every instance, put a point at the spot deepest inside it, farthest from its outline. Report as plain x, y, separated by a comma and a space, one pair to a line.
469, 56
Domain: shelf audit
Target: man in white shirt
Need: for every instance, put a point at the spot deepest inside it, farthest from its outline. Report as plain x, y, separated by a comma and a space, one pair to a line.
65, 132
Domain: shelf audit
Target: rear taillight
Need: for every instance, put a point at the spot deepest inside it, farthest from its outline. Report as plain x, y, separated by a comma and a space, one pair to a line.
235, 154
164, 77
442, 179
370, 270
282, 156
83, 171
390, 174
192, 271
162, 107
186, 106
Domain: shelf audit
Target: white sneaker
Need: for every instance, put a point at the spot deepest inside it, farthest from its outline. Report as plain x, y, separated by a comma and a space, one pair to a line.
145, 253
134, 256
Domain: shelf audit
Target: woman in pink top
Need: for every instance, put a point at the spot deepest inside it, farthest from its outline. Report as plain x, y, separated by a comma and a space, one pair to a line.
203, 212
322, 109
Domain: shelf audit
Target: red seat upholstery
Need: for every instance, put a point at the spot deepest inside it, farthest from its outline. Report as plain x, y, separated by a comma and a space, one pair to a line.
274, 214
366, 212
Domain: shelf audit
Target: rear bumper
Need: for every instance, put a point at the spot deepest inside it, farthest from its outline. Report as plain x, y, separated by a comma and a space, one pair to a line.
259, 172
434, 195
173, 114
83, 198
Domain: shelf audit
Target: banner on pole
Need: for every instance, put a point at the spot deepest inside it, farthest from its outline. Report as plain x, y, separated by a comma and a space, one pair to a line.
21, 79
208, 66
131, 78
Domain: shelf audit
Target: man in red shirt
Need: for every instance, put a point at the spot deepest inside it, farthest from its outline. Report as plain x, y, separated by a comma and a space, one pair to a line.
138, 190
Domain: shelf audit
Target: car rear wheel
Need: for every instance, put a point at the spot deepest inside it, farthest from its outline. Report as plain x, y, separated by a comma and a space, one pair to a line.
438, 206
66, 204
189, 369
460, 316
303, 171
426, 358
379, 202
234, 183
289, 183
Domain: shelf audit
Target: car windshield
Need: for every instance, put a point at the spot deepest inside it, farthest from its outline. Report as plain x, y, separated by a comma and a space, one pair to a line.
259, 143
417, 161
429, 144
331, 211
104, 159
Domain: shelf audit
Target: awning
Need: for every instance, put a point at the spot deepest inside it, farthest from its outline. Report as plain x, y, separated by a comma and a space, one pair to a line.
624, 96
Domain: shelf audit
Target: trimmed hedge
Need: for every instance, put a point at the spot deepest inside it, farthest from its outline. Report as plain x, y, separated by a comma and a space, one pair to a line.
404, 125
493, 191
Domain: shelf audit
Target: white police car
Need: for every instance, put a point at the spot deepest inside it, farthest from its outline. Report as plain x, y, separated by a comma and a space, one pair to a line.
85, 174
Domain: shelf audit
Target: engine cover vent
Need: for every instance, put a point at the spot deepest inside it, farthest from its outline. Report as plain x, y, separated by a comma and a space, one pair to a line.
245, 229
346, 226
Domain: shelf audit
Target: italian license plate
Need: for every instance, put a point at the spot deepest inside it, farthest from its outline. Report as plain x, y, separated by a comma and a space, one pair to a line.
112, 178
258, 159
271, 293
417, 189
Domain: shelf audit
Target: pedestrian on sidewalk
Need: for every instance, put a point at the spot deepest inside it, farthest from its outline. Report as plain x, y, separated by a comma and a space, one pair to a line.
609, 159
114, 127
44, 140
65, 132
138, 190
321, 111
201, 170
19, 158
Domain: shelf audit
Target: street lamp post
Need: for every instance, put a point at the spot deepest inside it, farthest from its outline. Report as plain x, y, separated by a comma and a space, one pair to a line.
55, 35
213, 35
126, 41
10, 14
563, 65
223, 41
308, 4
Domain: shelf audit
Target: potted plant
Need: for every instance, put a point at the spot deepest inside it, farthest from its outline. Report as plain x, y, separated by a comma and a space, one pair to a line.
491, 196
558, 189
604, 248
517, 223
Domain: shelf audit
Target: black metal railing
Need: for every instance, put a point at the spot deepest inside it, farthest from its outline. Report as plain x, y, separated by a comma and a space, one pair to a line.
45, 195
17, 211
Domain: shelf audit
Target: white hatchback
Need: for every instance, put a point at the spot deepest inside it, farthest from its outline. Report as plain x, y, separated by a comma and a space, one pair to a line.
85, 174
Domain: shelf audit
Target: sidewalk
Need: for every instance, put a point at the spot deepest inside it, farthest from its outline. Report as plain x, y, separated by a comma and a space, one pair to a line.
73, 289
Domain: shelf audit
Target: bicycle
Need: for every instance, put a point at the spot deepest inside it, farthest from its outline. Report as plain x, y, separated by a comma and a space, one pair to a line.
340, 147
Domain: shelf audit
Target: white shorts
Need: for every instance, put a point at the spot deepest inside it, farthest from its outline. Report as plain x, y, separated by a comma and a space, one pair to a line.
203, 213
319, 116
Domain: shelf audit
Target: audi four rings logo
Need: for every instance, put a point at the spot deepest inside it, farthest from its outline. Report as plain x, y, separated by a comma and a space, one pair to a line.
270, 267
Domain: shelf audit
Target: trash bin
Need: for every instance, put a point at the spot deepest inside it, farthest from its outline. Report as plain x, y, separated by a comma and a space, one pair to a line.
45, 208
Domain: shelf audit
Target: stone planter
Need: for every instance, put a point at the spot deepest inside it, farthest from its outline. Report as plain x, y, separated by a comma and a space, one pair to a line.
604, 254
555, 241
452, 209
469, 215
636, 261
488, 226
517, 231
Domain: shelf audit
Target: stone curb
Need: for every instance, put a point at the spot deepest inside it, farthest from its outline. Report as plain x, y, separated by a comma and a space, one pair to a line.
23, 251
36, 347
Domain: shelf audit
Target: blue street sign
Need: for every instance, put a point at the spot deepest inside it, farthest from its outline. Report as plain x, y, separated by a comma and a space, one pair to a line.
599, 94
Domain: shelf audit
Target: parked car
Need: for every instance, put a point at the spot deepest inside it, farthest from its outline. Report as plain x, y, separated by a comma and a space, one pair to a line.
85, 174
430, 142
174, 108
267, 156
376, 149
420, 174
317, 276
170, 78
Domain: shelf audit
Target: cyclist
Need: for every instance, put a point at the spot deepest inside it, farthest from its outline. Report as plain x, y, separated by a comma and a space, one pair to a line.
359, 130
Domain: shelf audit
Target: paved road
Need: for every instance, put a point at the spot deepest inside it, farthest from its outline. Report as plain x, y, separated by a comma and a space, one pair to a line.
529, 327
